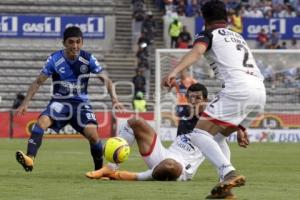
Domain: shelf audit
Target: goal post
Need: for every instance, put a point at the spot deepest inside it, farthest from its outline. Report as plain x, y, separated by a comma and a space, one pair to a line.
281, 69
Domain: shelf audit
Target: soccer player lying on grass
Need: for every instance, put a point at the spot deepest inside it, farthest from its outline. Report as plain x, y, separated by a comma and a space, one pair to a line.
180, 161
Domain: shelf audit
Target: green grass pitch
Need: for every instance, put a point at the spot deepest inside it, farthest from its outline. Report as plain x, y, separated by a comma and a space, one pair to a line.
272, 171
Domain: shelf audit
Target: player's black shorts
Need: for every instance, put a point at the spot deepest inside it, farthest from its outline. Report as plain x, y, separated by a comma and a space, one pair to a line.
78, 114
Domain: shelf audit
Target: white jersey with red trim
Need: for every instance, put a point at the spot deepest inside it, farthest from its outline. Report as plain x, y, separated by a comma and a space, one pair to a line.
230, 58
187, 154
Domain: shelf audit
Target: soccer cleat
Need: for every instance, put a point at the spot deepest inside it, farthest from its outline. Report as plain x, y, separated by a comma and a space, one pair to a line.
25, 161
224, 195
99, 174
232, 179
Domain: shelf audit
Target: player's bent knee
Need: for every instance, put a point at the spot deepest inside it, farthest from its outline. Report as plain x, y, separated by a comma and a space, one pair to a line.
135, 122
139, 127
167, 170
44, 122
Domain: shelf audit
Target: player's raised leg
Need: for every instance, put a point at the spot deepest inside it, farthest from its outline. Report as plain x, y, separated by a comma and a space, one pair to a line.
144, 134
136, 128
149, 144
159, 168
34, 143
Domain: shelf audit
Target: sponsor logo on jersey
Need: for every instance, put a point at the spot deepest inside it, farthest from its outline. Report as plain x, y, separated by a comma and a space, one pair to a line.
72, 86
62, 70
185, 143
188, 166
84, 69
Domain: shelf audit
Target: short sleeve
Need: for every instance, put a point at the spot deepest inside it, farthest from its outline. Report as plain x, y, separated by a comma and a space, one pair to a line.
95, 66
48, 68
204, 38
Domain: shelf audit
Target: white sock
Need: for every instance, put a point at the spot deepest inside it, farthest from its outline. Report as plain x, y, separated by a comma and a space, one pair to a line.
113, 166
145, 176
222, 142
211, 150
127, 133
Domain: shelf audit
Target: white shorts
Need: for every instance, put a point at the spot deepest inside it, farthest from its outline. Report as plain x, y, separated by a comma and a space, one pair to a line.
236, 109
158, 153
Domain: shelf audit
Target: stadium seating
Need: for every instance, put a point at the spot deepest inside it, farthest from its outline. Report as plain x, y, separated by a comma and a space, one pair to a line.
22, 59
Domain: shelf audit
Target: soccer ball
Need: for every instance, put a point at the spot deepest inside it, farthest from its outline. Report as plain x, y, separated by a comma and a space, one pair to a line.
116, 150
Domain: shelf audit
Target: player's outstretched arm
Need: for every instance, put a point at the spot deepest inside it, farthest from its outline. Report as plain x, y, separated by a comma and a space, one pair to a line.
107, 173
33, 88
190, 58
111, 90
123, 176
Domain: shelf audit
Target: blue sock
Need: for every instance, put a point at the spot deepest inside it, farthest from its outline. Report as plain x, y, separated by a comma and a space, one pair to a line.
97, 153
35, 140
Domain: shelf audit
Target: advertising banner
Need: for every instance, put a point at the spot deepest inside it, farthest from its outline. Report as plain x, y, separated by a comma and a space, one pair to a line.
36, 26
4, 124
277, 121
287, 28
271, 135
22, 126
272, 127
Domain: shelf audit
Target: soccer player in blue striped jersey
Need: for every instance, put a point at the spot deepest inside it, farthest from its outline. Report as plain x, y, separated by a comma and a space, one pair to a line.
69, 69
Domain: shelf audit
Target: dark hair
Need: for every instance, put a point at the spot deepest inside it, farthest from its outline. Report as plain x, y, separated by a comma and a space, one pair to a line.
167, 170
197, 87
214, 10
72, 31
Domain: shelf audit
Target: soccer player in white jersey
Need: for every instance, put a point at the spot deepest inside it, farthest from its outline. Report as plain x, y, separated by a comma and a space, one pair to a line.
178, 162
243, 95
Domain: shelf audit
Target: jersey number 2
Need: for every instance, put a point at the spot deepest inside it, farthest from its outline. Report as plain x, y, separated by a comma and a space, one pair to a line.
241, 47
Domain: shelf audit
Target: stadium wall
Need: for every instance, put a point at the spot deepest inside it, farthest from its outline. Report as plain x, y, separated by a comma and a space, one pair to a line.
270, 127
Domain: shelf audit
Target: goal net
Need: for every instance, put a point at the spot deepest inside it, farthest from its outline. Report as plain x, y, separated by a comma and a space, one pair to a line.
281, 69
